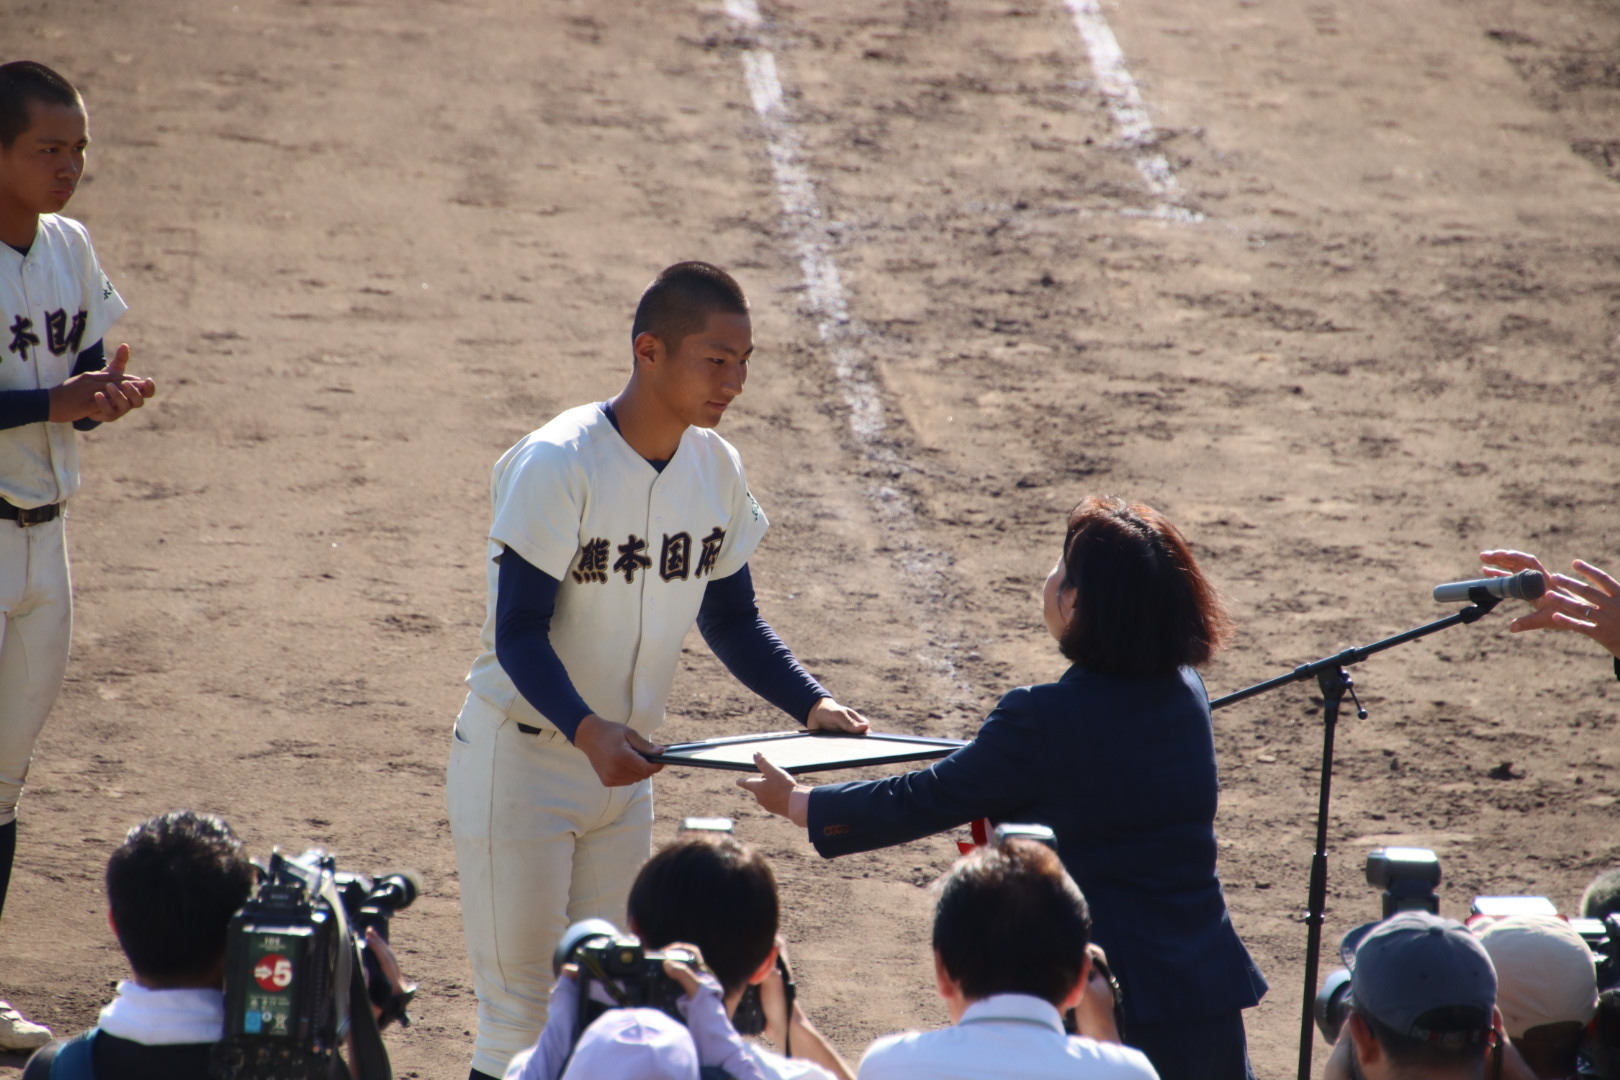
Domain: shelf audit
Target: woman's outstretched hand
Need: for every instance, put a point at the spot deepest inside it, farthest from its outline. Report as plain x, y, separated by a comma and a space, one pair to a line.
778, 792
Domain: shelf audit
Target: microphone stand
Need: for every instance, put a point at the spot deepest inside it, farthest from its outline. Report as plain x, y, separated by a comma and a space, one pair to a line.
1335, 682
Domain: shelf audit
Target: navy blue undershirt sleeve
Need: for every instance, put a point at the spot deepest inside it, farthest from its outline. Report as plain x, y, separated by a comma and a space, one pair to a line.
525, 597
730, 622
92, 359
19, 407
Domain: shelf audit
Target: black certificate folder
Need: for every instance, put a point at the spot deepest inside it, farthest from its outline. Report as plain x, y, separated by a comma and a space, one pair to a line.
804, 751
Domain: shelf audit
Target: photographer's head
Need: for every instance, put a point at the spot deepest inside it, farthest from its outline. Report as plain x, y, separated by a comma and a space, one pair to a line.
1423, 996
172, 887
717, 894
1010, 920
1546, 988
1602, 896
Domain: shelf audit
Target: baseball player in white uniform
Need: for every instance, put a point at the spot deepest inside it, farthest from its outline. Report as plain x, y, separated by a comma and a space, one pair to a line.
56, 305
616, 526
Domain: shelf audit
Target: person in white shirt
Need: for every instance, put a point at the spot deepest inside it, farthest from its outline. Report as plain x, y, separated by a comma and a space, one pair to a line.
1011, 956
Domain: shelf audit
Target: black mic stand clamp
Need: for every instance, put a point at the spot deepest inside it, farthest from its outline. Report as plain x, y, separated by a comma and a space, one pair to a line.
1335, 682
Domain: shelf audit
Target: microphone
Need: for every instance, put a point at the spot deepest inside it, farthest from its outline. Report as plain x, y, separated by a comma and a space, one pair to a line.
1525, 585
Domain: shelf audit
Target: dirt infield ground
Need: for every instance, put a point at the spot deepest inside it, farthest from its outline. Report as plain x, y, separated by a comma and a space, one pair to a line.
369, 245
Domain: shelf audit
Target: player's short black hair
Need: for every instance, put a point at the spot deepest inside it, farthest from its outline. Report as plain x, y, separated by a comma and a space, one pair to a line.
682, 297
1602, 896
173, 886
1142, 606
1010, 920
24, 81
712, 892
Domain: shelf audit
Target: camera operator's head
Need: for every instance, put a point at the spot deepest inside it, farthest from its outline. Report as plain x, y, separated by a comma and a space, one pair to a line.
1546, 988
172, 887
1010, 920
1423, 999
717, 894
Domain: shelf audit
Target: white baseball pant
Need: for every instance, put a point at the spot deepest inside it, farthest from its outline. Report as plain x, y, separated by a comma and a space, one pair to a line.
36, 628
540, 844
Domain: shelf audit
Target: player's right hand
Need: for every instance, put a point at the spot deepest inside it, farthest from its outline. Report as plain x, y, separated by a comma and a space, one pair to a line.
615, 751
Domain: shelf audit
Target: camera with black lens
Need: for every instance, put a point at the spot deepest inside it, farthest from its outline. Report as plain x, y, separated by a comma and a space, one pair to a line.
1332, 1006
617, 972
1408, 877
299, 978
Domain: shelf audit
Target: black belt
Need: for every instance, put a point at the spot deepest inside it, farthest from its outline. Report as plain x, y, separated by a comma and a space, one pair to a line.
37, 515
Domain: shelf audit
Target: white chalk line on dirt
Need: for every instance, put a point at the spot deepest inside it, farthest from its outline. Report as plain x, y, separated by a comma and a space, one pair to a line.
806, 225
1113, 80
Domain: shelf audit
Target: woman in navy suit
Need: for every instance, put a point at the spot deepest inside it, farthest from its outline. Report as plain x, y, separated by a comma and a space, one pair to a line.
1118, 758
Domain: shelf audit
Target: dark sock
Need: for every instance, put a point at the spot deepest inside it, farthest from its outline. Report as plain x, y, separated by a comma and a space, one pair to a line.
476, 1075
8, 851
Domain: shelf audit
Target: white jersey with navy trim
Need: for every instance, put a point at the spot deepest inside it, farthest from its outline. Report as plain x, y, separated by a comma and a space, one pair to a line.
55, 301
633, 549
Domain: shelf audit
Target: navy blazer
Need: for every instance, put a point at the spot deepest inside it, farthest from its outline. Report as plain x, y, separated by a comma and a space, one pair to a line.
1123, 771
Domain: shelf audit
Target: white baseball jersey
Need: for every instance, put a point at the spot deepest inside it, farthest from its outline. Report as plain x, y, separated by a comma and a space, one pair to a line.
54, 302
632, 547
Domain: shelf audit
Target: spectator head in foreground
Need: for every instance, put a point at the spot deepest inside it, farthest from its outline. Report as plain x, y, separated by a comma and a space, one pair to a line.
1011, 953
172, 887
1602, 896
1010, 920
1546, 988
1423, 995
633, 1044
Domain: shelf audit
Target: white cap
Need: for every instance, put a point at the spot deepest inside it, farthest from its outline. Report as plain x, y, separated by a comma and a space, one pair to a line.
633, 1044
1545, 973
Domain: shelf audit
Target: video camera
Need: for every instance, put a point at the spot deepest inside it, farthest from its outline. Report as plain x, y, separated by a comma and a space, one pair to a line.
292, 985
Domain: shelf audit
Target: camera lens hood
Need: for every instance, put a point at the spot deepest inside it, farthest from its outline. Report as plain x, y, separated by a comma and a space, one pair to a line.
577, 935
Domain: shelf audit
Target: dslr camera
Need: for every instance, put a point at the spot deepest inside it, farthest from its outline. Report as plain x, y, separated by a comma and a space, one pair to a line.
617, 972
297, 972
1408, 877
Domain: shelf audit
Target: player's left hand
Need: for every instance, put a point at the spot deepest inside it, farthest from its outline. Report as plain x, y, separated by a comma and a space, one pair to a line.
775, 790
828, 715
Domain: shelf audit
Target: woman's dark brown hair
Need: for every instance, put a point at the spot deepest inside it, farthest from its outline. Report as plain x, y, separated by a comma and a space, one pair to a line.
1142, 607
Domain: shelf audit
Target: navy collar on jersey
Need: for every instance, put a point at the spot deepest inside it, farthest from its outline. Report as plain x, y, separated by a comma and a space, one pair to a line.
607, 410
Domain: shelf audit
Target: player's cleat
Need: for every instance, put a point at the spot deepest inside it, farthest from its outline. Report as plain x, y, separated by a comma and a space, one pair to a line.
17, 1032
